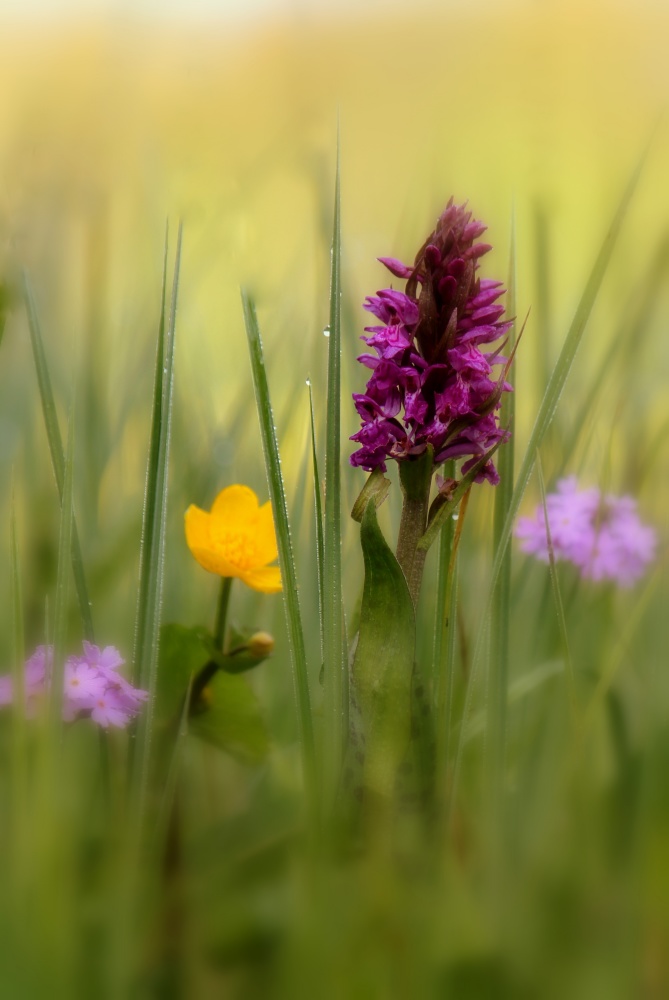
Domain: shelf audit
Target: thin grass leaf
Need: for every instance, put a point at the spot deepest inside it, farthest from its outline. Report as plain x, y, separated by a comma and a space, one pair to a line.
545, 415
18, 746
335, 665
286, 560
498, 661
542, 303
626, 343
152, 560
318, 510
621, 645
62, 589
56, 449
151, 487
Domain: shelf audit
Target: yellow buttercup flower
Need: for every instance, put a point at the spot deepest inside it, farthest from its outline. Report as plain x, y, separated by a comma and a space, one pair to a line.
236, 538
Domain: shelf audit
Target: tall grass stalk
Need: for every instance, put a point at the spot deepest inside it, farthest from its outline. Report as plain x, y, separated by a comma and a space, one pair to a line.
335, 666
56, 450
152, 560
286, 561
498, 661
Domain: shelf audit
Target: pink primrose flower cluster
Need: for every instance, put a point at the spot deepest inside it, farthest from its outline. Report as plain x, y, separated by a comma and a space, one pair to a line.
92, 686
601, 534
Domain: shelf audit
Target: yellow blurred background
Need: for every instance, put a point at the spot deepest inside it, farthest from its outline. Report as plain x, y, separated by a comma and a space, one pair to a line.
109, 124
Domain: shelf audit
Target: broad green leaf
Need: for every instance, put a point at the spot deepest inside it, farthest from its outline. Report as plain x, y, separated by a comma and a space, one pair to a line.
231, 720
183, 651
227, 714
384, 659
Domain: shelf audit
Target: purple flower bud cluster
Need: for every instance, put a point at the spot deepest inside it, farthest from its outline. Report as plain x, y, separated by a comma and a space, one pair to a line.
92, 686
431, 383
600, 534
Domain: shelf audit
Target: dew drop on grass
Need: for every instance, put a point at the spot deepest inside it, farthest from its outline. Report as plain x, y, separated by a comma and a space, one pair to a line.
326, 331
455, 516
308, 381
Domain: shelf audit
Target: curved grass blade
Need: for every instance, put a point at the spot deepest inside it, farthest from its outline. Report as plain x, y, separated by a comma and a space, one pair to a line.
286, 560
545, 415
335, 665
56, 449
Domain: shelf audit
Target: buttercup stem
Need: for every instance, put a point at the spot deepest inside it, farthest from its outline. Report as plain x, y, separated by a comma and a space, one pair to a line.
222, 612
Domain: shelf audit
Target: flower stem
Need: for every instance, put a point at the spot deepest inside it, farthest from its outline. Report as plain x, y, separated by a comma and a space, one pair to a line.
222, 612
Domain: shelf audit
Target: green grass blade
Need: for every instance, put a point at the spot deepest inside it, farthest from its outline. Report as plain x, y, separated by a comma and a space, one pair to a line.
151, 484
62, 588
624, 348
498, 662
56, 449
19, 817
286, 560
318, 507
545, 415
153, 535
542, 303
335, 666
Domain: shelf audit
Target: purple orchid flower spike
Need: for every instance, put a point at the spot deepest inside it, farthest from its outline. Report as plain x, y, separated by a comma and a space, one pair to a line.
431, 384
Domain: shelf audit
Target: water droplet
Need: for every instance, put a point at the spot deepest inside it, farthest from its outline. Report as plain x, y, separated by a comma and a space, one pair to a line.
326, 331
455, 516
308, 382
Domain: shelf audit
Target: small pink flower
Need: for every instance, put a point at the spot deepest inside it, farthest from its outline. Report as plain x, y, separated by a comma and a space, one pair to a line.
92, 686
601, 535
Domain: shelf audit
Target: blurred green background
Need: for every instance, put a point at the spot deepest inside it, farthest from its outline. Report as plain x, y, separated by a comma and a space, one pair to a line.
114, 121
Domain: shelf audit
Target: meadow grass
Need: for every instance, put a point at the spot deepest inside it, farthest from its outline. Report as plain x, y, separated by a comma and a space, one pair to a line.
159, 863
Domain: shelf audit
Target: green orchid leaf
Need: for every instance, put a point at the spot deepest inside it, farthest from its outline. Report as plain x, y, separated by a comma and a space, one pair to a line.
377, 486
384, 658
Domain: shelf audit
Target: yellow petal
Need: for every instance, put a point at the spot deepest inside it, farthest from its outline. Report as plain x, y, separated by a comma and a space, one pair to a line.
267, 579
236, 508
198, 538
196, 523
265, 537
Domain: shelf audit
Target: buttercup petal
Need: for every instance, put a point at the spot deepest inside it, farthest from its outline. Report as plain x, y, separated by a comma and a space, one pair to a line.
266, 579
236, 507
213, 561
196, 523
265, 535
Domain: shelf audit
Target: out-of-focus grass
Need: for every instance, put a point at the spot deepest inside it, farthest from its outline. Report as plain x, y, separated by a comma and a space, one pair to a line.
106, 130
